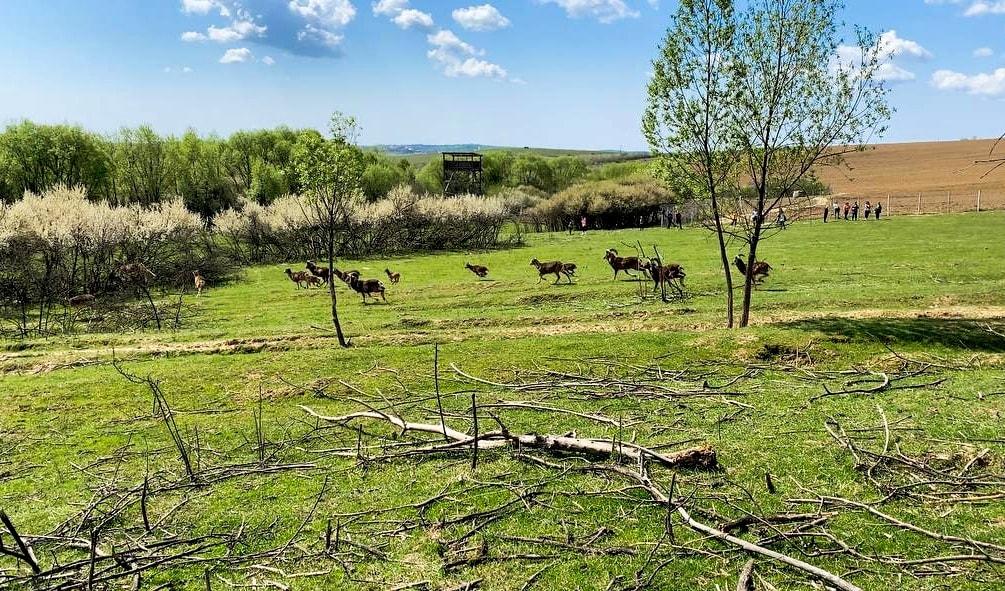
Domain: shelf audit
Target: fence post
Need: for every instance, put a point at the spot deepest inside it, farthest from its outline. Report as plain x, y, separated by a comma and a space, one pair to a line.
888, 210
949, 202
978, 200
919, 203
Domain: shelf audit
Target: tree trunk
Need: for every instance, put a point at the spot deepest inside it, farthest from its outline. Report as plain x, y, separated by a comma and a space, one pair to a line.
331, 292
725, 261
748, 283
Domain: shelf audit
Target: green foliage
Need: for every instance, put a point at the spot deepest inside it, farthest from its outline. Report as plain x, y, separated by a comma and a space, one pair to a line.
606, 204
268, 183
621, 170
330, 171
496, 166
767, 90
382, 174
142, 166
430, 178
200, 174
37, 157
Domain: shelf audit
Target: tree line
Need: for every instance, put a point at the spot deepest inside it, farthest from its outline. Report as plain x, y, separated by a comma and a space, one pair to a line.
211, 174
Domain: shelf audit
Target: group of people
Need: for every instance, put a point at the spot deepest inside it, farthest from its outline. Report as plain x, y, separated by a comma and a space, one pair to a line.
851, 210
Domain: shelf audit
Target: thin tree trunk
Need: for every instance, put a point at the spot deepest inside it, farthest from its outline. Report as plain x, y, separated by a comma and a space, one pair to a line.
748, 284
725, 261
331, 291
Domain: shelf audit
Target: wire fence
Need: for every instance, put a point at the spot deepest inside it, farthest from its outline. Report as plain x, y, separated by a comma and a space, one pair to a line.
943, 202
920, 203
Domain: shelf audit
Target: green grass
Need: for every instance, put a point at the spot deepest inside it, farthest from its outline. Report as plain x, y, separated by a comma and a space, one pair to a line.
924, 286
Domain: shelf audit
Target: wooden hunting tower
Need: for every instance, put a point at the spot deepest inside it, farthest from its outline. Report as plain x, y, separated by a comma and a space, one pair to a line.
462, 173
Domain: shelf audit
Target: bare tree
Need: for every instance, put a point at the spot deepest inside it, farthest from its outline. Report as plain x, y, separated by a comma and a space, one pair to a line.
800, 98
993, 161
686, 122
330, 171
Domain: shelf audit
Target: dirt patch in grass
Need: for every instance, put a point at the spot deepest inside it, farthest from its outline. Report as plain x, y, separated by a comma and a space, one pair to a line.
537, 299
662, 319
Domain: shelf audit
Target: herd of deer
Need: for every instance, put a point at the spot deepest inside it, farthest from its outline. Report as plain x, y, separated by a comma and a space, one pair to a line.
316, 276
660, 274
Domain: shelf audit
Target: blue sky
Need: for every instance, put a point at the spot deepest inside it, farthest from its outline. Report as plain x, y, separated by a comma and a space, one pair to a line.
562, 73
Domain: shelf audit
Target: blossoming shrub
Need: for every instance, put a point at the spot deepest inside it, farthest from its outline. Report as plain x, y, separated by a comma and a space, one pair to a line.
59, 245
404, 222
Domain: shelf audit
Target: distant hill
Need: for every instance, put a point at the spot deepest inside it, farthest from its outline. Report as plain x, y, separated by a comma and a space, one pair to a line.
412, 149
420, 154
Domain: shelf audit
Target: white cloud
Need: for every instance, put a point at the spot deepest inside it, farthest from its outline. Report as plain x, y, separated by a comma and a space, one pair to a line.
186, 70
408, 18
331, 13
984, 52
605, 11
237, 31
888, 47
891, 45
268, 61
992, 84
890, 72
203, 7
446, 39
475, 68
167, 69
389, 7
236, 56
192, 36
480, 18
982, 7
455, 57
319, 35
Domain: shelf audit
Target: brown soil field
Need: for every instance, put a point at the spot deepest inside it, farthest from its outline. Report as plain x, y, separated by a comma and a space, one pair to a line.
944, 173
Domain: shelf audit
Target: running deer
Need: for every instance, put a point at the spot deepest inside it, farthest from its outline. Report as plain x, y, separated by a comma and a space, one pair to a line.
556, 268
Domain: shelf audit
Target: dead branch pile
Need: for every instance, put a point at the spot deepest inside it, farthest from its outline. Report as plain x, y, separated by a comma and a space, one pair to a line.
540, 498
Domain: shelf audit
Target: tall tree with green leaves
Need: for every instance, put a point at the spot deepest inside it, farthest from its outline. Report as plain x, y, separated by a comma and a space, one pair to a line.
801, 97
331, 172
741, 110
686, 122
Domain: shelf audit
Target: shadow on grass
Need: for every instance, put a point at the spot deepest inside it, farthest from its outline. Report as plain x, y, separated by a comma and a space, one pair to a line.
970, 335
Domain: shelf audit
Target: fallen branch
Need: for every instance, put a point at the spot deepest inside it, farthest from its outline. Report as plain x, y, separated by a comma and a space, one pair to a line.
695, 457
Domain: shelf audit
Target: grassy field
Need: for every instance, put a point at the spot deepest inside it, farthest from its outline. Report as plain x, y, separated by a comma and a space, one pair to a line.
920, 300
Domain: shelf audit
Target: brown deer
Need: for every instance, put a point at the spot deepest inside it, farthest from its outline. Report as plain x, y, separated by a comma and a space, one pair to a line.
298, 277
321, 272
199, 280
393, 277
666, 274
556, 268
366, 287
477, 269
135, 273
625, 264
345, 276
81, 301
758, 271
